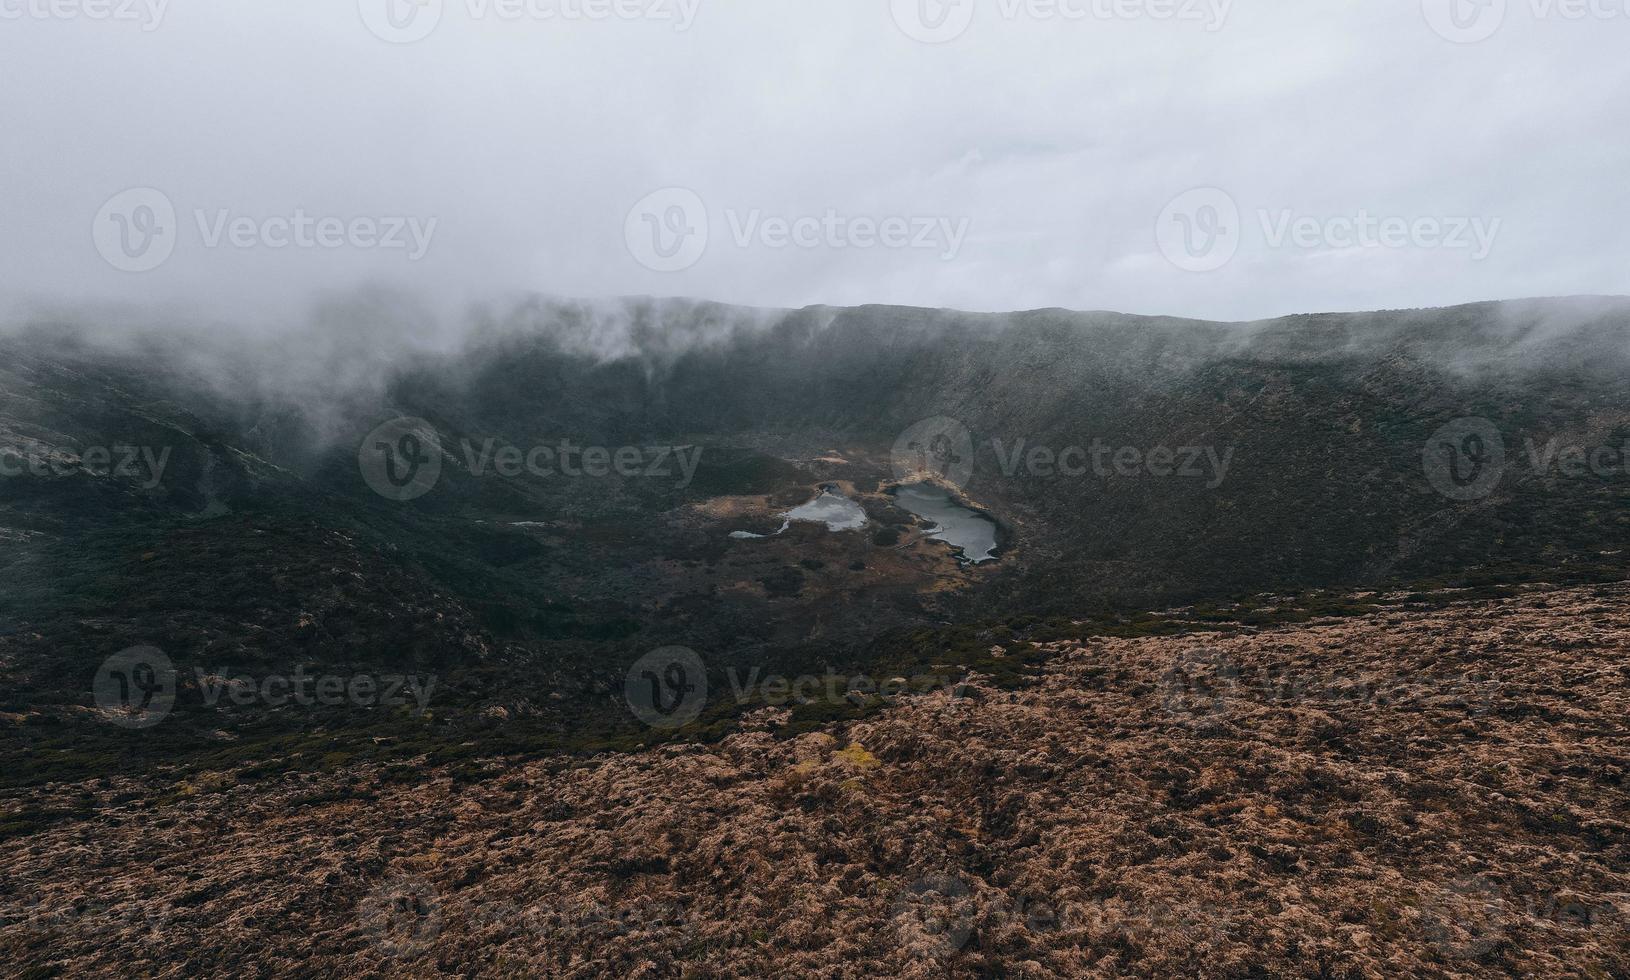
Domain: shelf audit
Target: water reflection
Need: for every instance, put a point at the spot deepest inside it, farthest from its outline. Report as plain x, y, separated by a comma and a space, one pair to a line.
971, 534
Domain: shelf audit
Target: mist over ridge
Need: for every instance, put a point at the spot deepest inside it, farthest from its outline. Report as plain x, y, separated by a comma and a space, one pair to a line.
351, 343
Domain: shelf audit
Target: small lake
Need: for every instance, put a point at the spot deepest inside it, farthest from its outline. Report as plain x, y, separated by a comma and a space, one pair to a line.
970, 533
830, 507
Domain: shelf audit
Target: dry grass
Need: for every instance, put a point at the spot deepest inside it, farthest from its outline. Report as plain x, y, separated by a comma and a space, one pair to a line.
1426, 794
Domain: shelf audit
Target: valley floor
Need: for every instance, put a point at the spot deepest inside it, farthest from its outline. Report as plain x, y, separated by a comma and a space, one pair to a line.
1429, 793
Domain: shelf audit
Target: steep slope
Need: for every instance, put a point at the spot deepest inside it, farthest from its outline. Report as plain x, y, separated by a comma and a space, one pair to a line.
245, 535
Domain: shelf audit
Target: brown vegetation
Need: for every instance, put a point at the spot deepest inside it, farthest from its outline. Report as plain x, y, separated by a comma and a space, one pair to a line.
1429, 793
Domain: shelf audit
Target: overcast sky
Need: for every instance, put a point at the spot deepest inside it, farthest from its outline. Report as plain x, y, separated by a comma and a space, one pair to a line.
989, 155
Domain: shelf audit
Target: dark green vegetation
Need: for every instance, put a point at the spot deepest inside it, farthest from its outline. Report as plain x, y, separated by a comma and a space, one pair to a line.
262, 550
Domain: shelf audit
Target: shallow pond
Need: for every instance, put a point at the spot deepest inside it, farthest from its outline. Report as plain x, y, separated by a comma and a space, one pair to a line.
830, 507
970, 533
